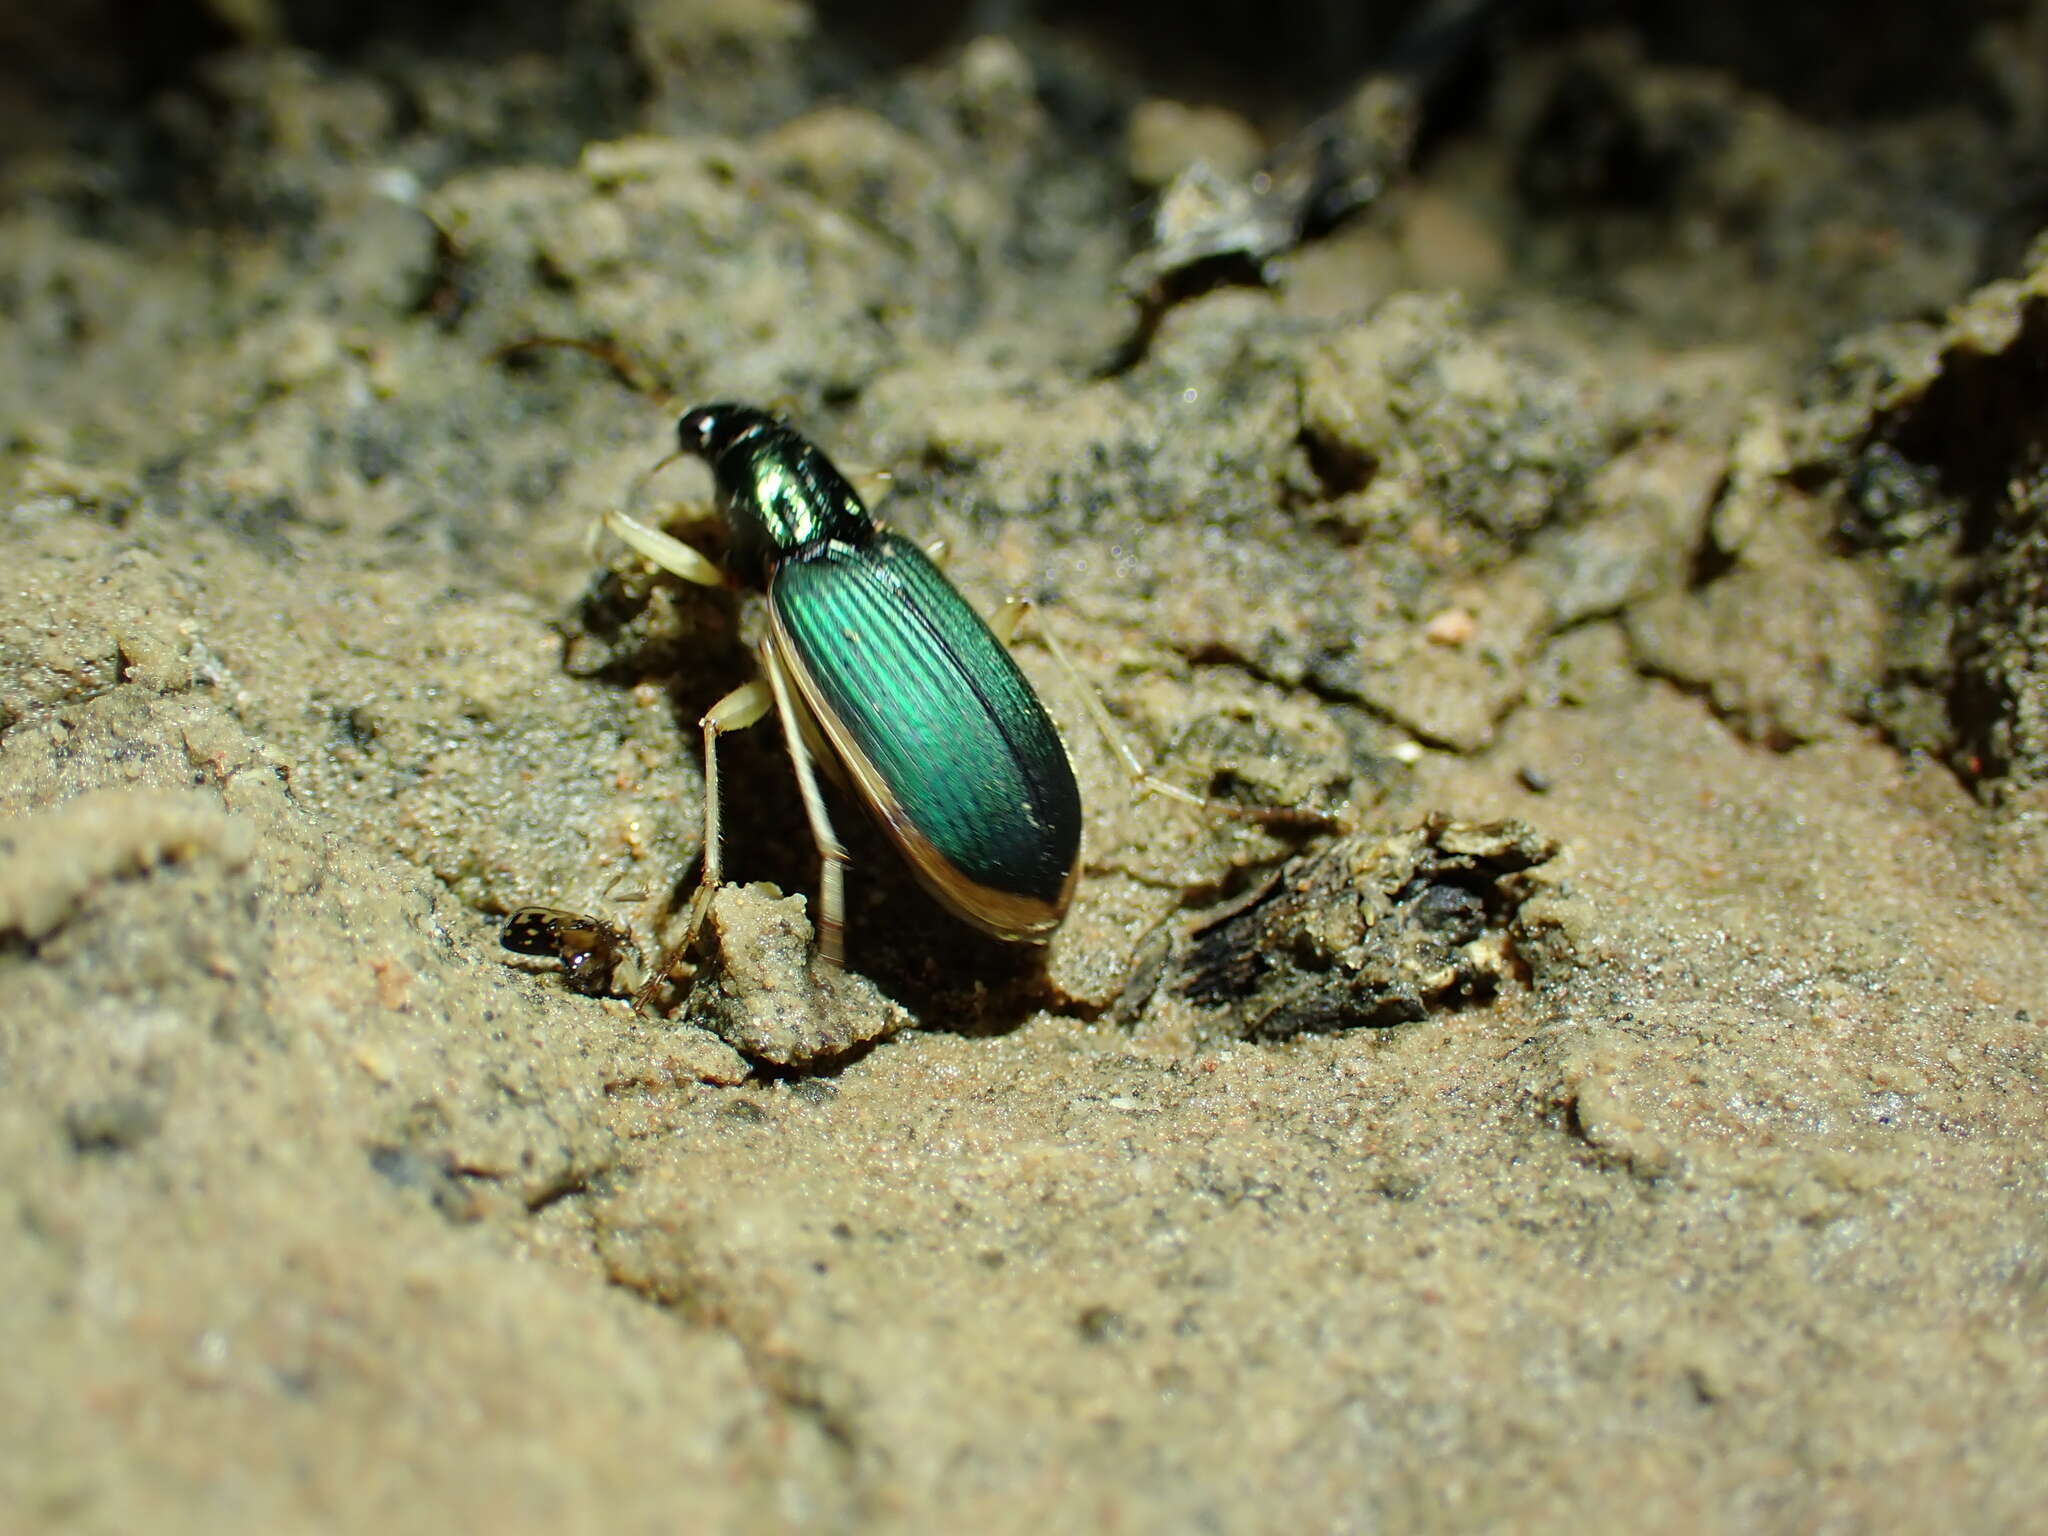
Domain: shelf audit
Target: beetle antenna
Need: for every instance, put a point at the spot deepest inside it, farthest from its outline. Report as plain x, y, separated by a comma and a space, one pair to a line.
647, 478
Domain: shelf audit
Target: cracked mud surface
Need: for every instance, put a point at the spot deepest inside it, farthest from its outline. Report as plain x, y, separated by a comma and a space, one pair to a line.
1627, 537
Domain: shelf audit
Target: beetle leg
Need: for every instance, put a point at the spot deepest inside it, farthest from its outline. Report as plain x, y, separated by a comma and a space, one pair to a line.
739, 709
1272, 817
666, 551
744, 706
831, 852
872, 485
1004, 625
1004, 621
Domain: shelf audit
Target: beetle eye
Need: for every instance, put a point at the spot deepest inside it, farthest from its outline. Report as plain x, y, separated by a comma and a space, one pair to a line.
694, 431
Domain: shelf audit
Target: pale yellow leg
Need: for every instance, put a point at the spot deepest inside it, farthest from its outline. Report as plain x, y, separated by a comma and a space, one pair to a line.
1005, 623
831, 852
743, 707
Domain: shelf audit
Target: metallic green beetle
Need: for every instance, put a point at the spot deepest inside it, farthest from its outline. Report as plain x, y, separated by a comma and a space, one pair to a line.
873, 657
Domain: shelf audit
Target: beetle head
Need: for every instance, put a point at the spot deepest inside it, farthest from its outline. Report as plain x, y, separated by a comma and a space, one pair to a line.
709, 430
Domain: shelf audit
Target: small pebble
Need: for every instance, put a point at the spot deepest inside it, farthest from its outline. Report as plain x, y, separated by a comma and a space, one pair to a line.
1452, 627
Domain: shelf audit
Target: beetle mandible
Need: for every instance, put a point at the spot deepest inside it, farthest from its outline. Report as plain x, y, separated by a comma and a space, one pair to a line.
874, 660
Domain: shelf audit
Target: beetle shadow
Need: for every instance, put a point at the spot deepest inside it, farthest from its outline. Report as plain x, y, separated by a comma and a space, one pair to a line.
950, 975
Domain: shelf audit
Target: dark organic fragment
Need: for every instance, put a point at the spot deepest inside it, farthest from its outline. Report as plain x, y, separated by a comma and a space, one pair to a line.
1213, 224
1943, 455
2000, 700
1370, 931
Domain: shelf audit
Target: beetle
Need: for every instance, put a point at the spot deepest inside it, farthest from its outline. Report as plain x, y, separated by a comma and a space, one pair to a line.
595, 954
877, 665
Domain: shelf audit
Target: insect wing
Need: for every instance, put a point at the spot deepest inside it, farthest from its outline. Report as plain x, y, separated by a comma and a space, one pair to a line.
939, 728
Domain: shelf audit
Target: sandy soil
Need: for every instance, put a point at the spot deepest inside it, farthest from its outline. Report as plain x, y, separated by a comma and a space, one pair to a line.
1658, 471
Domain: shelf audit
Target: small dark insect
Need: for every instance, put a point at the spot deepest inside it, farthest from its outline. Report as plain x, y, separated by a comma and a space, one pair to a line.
592, 951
